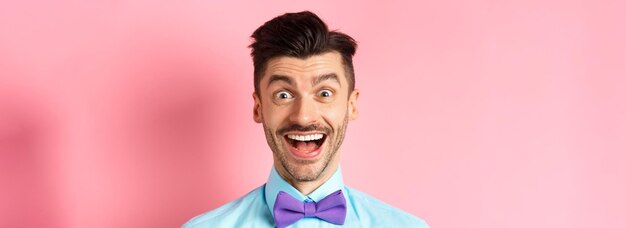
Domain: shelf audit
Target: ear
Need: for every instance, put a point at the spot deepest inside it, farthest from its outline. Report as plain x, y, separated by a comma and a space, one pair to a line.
256, 111
352, 106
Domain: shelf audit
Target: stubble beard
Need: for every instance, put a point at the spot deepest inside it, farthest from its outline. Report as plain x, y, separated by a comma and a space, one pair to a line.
306, 170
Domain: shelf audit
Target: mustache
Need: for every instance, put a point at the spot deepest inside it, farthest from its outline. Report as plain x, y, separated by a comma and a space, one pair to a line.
297, 127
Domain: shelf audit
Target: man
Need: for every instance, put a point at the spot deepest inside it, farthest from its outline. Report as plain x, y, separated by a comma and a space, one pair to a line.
304, 97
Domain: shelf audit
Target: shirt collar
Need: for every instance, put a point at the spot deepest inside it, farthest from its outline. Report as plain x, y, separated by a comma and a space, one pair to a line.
276, 183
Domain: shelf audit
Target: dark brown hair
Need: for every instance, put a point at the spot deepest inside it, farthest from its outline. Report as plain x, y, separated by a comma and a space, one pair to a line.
299, 35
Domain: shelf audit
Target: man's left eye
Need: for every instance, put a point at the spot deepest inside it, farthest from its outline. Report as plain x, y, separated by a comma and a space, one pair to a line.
325, 93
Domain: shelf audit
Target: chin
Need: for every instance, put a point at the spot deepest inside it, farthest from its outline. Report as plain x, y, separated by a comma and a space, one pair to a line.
304, 169
309, 172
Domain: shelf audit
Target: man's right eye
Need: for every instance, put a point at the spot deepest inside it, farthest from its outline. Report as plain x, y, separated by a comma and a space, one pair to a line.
283, 95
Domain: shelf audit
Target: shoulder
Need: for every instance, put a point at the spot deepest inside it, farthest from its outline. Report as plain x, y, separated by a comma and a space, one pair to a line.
250, 207
380, 214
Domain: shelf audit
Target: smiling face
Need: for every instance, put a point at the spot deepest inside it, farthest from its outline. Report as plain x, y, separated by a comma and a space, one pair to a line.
304, 106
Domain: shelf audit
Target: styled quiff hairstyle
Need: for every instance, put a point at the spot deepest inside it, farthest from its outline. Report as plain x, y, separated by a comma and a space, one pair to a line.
299, 35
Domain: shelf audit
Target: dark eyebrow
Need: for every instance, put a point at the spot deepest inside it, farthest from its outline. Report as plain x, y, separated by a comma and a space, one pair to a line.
275, 78
321, 78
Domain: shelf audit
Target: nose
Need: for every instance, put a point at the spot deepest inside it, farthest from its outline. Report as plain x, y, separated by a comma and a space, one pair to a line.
304, 112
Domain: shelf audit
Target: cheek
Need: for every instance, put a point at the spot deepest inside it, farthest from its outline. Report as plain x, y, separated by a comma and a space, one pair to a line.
273, 116
335, 113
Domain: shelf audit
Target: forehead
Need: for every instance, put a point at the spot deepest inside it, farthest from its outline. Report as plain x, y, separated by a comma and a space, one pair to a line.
315, 65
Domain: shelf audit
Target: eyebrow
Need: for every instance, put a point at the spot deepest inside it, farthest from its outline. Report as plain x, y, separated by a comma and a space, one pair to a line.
275, 78
325, 77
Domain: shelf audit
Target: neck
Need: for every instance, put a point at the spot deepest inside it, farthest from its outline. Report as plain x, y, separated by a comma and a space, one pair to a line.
306, 187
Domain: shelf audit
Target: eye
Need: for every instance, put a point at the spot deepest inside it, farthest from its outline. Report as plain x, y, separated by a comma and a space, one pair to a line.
283, 95
325, 93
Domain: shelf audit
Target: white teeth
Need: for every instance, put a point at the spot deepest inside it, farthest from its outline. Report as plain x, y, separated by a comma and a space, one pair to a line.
305, 137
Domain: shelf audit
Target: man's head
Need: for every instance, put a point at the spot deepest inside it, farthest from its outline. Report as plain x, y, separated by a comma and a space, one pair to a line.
304, 93
299, 35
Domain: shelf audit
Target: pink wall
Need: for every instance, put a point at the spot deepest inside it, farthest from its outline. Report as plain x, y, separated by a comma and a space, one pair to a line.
479, 114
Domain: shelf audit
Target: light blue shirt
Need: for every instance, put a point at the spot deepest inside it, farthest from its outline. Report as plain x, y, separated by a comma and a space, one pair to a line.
255, 208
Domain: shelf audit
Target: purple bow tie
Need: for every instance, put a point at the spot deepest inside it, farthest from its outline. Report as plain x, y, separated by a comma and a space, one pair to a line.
288, 210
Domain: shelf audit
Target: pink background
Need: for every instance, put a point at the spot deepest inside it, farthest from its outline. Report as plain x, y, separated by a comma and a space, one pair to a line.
472, 114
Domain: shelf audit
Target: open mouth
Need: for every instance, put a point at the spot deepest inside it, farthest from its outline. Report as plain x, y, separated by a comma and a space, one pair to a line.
305, 145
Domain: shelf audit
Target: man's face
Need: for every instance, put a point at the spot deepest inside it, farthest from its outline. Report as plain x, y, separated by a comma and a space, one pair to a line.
305, 106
